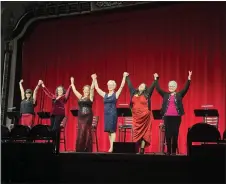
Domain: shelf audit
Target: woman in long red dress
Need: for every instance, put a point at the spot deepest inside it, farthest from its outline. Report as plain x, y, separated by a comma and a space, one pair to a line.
141, 113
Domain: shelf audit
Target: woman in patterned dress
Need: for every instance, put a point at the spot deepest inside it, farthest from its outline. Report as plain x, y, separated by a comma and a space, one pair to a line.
85, 117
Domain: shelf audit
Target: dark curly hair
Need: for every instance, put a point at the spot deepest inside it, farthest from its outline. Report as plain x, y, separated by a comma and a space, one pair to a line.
144, 92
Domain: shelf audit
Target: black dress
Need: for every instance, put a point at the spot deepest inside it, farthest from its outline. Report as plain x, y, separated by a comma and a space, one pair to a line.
85, 119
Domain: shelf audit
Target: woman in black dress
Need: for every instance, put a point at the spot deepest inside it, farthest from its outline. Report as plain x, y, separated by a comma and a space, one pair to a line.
85, 117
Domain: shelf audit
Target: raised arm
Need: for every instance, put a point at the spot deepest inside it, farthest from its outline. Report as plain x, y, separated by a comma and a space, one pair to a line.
186, 87
67, 94
159, 90
47, 92
92, 90
99, 91
77, 94
36, 91
125, 74
21, 89
151, 88
129, 83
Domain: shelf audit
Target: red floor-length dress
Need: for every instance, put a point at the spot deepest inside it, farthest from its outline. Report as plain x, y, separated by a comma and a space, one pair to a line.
141, 120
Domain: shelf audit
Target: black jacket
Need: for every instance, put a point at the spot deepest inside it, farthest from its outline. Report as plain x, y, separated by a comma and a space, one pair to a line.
147, 93
178, 99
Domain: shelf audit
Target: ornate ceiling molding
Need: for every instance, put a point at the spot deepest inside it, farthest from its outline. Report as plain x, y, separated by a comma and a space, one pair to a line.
26, 10
101, 5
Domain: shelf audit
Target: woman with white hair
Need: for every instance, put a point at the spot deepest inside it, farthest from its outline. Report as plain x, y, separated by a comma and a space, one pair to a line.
110, 111
140, 105
172, 110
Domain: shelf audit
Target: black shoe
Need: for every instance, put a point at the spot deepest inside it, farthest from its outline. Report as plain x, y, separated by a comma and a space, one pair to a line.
141, 151
167, 153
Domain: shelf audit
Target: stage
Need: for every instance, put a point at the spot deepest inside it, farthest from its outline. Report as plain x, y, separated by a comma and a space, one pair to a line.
169, 40
33, 163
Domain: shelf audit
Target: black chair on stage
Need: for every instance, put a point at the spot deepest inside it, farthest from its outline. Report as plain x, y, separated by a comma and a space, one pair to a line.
20, 133
126, 126
202, 133
5, 134
224, 135
40, 132
63, 132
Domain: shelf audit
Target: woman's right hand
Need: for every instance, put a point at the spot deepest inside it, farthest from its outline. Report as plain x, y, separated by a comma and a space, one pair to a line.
21, 81
125, 74
94, 76
42, 84
156, 76
72, 80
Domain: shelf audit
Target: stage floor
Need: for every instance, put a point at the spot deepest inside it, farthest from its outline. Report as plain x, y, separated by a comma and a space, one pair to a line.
35, 163
107, 153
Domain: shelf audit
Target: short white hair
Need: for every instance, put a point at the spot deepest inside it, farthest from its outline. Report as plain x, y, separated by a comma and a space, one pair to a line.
112, 82
172, 83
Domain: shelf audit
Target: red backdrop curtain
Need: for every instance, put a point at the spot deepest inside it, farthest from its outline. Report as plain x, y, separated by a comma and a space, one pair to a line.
168, 40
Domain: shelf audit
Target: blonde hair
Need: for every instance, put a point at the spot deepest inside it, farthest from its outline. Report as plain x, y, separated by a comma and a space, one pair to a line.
88, 86
172, 83
112, 82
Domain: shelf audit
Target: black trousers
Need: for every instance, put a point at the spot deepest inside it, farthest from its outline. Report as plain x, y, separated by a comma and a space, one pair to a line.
172, 126
55, 129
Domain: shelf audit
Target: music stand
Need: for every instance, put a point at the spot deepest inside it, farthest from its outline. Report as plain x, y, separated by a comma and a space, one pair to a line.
44, 115
124, 112
206, 113
74, 112
14, 116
